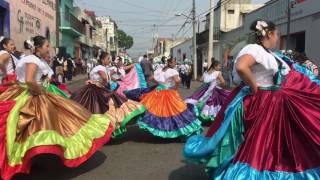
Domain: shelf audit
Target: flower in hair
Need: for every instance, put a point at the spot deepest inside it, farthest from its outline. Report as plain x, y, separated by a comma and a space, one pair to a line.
261, 27
30, 43
2, 38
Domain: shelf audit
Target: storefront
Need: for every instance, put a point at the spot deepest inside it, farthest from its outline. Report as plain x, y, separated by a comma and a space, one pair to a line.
31, 18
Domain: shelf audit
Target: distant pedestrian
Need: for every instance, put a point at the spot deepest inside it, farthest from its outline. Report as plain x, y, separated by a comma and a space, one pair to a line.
68, 67
147, 68
188, 76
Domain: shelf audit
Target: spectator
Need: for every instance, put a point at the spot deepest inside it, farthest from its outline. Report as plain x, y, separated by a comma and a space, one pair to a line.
147, 68
188, 75
68, 67
303, 60
58, 68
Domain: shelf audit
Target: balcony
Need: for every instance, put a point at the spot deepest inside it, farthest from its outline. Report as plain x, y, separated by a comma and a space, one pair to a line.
72, 26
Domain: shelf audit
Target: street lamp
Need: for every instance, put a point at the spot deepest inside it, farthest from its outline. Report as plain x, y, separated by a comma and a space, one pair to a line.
187, 17
181, 14
194, 38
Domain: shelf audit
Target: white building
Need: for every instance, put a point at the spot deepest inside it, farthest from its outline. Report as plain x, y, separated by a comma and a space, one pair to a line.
101, 37
305, 25
163, 46
183, 50
110, 28
227, 17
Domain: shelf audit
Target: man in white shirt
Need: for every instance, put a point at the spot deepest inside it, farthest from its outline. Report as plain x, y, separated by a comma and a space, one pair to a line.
188, 76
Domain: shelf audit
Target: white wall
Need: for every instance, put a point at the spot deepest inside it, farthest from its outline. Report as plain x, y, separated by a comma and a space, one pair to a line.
305, 17
185, 48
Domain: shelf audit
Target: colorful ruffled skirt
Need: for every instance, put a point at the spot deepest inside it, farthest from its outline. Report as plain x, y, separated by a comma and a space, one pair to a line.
133, 80
46, 124
56, 90
167, 116
208, 100
62, 87
100, 100
9, 79
273, 134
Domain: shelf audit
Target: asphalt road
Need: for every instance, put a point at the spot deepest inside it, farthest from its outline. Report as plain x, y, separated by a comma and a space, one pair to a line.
136, 156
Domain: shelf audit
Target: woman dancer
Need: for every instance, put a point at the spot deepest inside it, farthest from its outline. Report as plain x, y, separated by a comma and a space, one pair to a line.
7, 63
265, 130
167, 115
210, 96
97, 98
132, 80
35, 122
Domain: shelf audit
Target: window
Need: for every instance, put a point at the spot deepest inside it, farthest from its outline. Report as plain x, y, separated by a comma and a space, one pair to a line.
67, 13
111, 40
230, 11
48, 33
91, 32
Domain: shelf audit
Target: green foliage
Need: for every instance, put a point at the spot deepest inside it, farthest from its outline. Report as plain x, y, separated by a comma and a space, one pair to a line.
125, 41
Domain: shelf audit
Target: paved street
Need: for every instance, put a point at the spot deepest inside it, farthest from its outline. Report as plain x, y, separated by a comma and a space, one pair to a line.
136, 156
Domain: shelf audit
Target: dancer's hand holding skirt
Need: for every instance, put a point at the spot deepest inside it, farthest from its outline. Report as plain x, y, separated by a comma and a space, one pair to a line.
273, 134
46, 124
100, 100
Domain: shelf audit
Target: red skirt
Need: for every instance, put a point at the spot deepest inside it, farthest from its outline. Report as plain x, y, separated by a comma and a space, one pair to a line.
282, 132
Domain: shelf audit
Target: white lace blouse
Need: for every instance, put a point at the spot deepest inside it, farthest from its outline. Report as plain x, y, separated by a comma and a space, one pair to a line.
166, 77
42, 69
265, 68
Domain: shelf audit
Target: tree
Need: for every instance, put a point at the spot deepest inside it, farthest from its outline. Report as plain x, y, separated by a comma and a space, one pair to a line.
125, 41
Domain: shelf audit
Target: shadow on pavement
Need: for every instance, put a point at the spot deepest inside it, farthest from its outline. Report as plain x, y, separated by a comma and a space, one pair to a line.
189, 172
135, 134
49, 167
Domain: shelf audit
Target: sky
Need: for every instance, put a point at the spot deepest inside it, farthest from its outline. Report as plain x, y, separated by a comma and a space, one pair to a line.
144, 19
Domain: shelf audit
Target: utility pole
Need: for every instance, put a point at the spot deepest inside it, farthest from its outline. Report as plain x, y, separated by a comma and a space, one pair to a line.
211, 28
194, 41
57, 24
288, 24
198, 25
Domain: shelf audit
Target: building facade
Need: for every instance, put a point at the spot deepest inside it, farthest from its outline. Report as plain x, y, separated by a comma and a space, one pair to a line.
305, 26
101, 36
31, 18
183, 51
163, 46
110, 28
227, 17
71, 28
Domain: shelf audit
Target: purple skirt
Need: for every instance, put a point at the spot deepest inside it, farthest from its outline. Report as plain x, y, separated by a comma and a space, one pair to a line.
208, 101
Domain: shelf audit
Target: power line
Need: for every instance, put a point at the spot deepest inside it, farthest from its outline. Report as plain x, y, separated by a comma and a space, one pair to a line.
186, 31
115, 11
223, 2
184, 24
135, 5
169, 25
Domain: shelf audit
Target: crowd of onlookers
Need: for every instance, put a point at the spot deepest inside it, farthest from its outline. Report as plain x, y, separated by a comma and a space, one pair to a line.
65, 68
